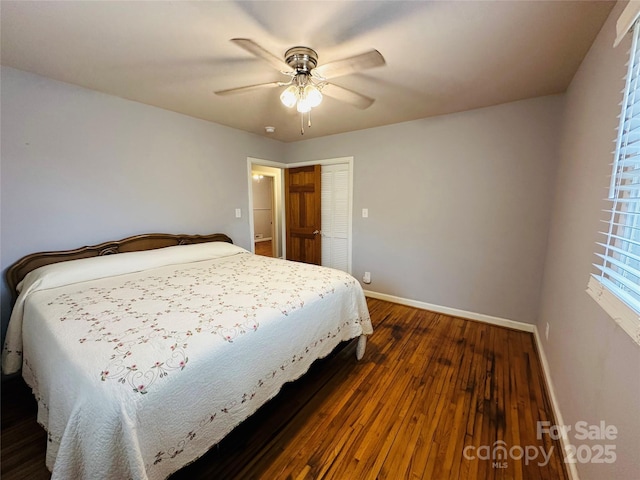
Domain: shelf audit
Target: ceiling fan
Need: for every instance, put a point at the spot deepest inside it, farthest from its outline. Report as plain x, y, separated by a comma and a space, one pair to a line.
309, 81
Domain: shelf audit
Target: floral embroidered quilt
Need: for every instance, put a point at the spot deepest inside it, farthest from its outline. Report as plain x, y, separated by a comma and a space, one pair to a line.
141, 362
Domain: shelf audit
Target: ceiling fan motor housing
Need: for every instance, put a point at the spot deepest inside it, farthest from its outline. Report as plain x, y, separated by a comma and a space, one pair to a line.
301, 59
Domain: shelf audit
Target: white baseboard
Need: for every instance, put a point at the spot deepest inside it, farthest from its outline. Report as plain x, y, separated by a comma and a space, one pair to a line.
555, 406
454, 312
502, 322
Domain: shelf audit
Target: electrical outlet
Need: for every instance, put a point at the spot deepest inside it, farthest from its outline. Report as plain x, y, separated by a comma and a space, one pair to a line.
367, 277
546, 332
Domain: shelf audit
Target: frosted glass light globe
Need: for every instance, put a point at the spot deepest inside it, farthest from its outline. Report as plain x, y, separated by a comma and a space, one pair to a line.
312, 95
303, 106
290, 96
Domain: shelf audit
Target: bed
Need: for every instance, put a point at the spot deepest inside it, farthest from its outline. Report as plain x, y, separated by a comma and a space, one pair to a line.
145, 352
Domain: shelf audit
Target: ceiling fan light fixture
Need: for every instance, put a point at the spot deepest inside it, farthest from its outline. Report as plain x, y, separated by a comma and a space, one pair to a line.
303, 106
302, 94
289, 96
312, 95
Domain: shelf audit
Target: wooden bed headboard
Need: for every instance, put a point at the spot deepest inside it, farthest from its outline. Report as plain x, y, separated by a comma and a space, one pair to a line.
148, 241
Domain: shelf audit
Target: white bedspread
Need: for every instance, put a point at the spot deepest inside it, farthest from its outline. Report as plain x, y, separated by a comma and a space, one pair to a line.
138, 374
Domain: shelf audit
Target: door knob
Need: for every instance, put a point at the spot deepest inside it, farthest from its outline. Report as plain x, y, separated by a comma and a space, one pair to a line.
316, 232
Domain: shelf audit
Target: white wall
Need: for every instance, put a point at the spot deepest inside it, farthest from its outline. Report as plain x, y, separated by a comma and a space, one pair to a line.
80, 167
458, 205
594, 365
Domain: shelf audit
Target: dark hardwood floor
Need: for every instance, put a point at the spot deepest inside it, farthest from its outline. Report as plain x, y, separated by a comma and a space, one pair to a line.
430, 391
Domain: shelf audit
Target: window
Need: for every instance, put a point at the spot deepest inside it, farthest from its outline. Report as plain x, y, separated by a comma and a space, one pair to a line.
616, 286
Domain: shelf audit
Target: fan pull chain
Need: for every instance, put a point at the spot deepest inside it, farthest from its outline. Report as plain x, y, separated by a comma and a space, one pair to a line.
302, 122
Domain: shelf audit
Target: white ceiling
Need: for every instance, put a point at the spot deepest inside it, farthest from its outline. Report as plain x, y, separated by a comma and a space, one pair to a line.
442, 56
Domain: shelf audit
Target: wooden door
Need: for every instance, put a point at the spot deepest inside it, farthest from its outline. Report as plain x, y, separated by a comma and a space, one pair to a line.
302, 201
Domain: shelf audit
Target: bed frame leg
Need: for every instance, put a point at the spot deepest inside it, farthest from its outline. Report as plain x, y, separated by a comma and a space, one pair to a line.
362, 346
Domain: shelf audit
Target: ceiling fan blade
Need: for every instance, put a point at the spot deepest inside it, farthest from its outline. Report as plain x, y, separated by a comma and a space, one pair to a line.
370, 59
248, 88
252, 47
349, 96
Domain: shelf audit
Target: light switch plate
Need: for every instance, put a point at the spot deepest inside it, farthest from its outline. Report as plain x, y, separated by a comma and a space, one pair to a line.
238, 213
365, 213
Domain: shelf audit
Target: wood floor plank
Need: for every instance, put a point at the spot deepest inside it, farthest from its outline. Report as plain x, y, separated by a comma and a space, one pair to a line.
430, 392
487, 409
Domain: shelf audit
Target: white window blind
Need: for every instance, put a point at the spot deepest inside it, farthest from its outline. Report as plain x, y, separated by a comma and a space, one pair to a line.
616, 286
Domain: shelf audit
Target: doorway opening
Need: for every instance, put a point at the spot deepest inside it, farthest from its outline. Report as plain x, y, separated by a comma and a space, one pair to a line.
263, 214
267, 207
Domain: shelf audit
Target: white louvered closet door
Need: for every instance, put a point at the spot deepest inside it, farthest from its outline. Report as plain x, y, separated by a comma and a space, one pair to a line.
335, 216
